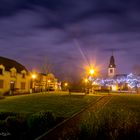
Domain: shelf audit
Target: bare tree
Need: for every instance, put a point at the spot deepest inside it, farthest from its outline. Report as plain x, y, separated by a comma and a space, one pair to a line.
136, 69
46, 66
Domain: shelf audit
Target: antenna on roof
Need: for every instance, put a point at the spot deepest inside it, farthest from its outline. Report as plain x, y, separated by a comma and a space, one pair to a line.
112, 52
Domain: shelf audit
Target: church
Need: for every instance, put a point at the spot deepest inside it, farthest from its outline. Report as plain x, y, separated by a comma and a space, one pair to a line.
122, 82
112, 72
112, 68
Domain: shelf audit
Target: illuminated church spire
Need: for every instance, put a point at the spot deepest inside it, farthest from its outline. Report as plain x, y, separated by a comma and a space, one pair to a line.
112, 67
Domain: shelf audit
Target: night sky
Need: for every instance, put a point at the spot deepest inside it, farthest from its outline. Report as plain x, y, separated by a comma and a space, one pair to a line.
71, 34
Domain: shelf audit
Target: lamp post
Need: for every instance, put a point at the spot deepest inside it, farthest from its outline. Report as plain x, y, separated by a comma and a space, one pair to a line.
33, 81
66, 87
91, 73
86, 81
48, 85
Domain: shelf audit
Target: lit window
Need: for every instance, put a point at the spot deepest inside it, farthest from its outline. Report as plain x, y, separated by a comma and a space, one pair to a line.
1, 71
1, 83
13, 73
23, 85
23, 75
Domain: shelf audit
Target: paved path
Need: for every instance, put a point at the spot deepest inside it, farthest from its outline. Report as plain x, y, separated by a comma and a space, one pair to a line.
71, 125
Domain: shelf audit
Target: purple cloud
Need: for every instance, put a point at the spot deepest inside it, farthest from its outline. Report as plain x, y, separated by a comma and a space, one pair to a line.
31, 30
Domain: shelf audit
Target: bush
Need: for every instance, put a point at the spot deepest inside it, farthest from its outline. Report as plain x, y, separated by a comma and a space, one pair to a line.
4, 115
40, 122
23, 126
2, 125
16, 124
41, 119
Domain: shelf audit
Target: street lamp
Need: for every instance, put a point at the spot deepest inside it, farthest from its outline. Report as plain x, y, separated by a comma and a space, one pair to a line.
86, 81
91, 71
48, 84
66, 84
91, 74
33, 76
67, 88
33, 81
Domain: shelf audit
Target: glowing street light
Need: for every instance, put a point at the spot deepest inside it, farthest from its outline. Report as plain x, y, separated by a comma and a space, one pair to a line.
91, 71
48, 84
66, 84
34, 76
86, 80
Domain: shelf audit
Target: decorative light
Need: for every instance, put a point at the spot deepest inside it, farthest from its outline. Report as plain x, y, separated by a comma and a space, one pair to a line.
34, 76
86, 80
132, 81
91, 71
66, 84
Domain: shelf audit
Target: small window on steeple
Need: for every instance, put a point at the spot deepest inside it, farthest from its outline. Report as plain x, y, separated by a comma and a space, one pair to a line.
111, 70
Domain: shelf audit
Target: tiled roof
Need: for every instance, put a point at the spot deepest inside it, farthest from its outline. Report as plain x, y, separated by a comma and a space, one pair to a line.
8, 64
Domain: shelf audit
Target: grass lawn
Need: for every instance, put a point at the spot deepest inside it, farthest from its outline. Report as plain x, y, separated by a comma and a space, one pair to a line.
129, 102
61, 104
118, 120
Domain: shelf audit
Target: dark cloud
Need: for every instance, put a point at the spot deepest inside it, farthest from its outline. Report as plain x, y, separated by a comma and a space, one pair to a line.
30, 30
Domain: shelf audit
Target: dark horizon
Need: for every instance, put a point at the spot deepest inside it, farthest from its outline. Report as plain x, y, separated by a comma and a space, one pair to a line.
71, 34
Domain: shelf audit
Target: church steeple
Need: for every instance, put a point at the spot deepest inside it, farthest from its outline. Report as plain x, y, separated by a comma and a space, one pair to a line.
112, 67
112, 62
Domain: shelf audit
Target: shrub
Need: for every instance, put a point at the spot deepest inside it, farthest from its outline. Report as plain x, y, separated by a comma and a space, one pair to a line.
16, 124
4, 115
2, 125
41, 121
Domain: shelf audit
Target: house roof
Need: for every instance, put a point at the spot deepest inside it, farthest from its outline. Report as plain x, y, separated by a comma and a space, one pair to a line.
9, 63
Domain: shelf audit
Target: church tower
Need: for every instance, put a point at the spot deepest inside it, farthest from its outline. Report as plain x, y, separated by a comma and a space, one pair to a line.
112, 67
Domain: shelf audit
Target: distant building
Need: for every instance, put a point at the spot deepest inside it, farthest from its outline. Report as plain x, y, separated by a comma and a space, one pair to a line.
46, 82
121, 82
14, 77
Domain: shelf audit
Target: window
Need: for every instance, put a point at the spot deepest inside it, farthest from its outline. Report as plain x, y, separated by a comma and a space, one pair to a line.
1, 84
23, 85
23, 75
111, 70
1, 71
12, 85
13, 73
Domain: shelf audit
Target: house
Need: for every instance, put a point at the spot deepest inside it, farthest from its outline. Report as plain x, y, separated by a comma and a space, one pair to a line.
14, 77
45, 82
